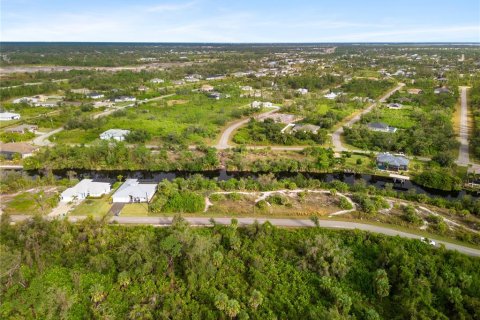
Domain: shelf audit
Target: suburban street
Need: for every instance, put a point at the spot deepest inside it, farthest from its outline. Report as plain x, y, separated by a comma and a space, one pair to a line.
293, 223
337, 134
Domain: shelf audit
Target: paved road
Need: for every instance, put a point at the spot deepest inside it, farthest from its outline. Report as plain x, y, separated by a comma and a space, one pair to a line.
225, 137
11, 166
336, 136
205, 221
463, 157
43, 141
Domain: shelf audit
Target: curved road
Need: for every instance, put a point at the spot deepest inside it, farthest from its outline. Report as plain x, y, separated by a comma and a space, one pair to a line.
225, 137
337, 134
206, 221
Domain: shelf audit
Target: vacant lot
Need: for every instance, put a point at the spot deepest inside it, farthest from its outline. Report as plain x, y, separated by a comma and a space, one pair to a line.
294, 204
190, 118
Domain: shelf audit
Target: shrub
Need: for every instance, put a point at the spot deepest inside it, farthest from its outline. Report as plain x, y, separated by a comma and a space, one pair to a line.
345, 204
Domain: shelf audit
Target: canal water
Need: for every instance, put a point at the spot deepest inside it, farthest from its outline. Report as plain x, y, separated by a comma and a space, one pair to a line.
223, 175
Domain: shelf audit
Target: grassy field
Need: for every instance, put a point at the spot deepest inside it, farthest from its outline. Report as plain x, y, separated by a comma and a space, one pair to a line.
197, 119
401, 119
29, 203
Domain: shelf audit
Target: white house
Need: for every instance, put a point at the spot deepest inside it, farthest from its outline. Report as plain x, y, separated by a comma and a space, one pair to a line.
85, 188
302, 91
95, 95
115, 134
331, 96
5, 116
124, 99
157, 80
25, 100
134, 191
259, 104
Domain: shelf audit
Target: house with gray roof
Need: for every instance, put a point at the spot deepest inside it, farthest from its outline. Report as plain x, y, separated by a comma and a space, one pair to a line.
306, 128
133, 191
441, 90
388, 161
381, 127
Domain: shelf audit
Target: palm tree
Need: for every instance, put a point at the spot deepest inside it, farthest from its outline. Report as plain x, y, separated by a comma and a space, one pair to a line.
256, 299
233, 308
97, 293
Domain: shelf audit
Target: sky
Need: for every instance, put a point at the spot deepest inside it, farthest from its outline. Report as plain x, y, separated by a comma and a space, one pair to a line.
240, 20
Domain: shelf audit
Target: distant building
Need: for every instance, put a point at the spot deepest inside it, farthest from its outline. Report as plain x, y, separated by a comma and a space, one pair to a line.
306, 128
381, 127
8, 150
5, 116
115, 134
215, 95
331, 96
23, 128
124, 99
441, 90
134, 191
395, 106
302, 91
95, 95
157, 81
387, 161
207, 88
216, 77
142, 88
259, 104
85, 188
246, 88
25, 100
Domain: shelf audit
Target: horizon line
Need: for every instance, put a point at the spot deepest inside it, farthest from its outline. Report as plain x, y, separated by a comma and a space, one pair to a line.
281, 42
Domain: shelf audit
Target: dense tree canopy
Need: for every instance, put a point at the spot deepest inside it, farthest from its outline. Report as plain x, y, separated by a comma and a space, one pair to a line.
57, 270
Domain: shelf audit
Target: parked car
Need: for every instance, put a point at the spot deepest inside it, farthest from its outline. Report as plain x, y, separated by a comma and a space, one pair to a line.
429, 241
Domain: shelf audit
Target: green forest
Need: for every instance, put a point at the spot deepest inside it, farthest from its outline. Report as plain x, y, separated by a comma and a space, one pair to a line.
59, 270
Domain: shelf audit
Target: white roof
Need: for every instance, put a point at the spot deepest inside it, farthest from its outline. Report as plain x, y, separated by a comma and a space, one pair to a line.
131, 187
115, 133
87, 186
331, 95
8, 115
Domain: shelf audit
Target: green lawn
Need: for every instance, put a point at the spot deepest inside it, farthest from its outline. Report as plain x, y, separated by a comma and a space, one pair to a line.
95, 207
135, 210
